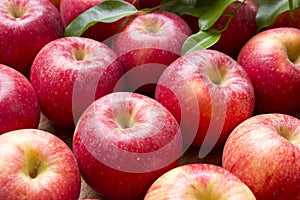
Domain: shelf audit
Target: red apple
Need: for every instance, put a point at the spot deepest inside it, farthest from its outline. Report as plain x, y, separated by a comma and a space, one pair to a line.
69, 73
18, 102
150, 3
37, 165
70, 9
286, 19
209, 93
147, 45
240, 29
272, 60
264, 152
123, 142
26, 26
199, 181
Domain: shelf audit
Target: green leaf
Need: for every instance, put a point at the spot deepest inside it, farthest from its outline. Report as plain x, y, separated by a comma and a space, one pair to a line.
268, 10
200, 40
108, 11
213, 13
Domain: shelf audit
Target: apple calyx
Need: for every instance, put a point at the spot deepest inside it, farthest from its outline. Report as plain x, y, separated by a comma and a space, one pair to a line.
34, 165
16, 11
216, 75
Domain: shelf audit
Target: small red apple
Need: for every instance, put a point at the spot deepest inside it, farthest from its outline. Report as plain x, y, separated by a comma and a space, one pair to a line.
69, 73
199, 181
271, 59
123, 142
18, 101
26, 26
209, 93
70, 9
147, 45
37, 165
264, 152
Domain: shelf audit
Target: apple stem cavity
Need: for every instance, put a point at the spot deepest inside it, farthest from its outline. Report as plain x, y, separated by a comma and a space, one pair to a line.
216, 75
17, 11
293, 54
283, 132
125, 121
296, 61
287, 134
80, 54
34, 165
153, 27
206, 193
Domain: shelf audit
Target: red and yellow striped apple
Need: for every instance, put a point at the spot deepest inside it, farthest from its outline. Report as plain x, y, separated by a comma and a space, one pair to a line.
264, 152
199, 181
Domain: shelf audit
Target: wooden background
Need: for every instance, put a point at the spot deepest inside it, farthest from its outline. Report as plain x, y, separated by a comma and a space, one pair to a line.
190, 156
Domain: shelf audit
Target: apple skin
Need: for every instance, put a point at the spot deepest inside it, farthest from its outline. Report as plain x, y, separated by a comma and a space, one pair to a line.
264, 152
150, 4
70, 73
123, 142
285, 19
240, 29
70, 9
55, 2
18, 101
37, 165
208, 91
272, 60
24, 33
147, 45
199, 181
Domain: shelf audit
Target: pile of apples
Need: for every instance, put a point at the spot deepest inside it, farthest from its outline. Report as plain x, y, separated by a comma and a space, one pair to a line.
138, 88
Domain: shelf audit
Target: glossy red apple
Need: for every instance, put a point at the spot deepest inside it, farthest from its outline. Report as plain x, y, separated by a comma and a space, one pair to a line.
123, 142
272, 60
70, 9
69, 73
37, 165
199, 181
264, 152
18, 102
147, 45
239, 30
26, 26
209, 93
